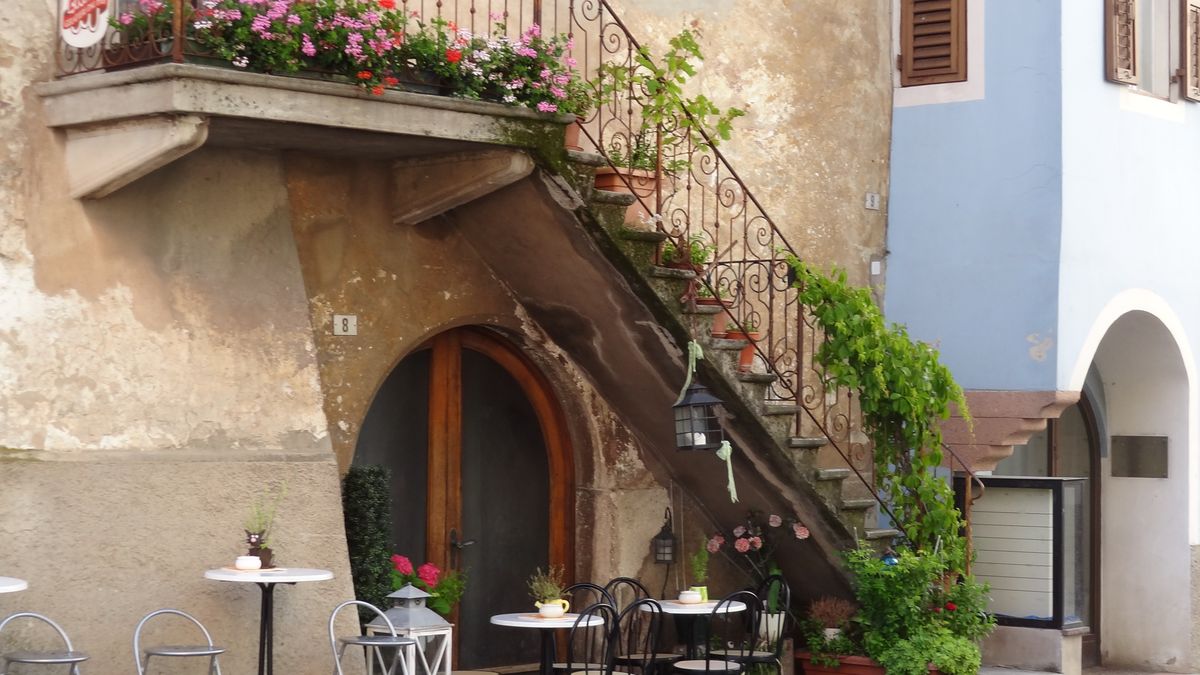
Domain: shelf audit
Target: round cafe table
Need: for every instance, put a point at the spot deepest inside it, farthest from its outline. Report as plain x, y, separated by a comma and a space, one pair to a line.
546, 627
12, 584
266, 581
687, 614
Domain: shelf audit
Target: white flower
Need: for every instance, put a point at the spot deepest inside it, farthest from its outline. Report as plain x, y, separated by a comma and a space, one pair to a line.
202, 25
241, 61
509, 98
210, 4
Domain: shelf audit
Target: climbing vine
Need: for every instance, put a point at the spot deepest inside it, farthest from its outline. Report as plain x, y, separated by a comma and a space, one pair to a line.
903, 392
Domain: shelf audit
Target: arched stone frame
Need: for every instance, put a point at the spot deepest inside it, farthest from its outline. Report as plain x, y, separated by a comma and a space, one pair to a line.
1141, 349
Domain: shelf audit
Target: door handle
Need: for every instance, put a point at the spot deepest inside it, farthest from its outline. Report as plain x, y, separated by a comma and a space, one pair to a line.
457, 545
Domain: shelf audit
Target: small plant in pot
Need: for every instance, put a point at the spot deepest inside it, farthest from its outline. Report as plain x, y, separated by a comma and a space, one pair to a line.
833, 614
749, 333
546, 589
698, 563
693, 254
258, 527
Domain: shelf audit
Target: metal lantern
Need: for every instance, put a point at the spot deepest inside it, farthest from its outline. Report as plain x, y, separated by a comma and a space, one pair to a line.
408, 611
696, 424
663, 543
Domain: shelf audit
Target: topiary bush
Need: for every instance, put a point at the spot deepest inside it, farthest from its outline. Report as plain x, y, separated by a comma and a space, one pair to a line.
367, 508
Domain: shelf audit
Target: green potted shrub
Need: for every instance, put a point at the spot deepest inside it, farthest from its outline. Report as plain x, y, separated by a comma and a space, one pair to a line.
693, 254
546, 589
698, 562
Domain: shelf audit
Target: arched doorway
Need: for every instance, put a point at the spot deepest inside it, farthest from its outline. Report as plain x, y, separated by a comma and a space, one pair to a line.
482, 478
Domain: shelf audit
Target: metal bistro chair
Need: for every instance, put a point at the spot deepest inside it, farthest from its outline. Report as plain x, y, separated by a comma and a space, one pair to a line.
208, 650
406, 648
624, 591
768, 644
590, 648
736, 632
639, 629
68, 657
585, 593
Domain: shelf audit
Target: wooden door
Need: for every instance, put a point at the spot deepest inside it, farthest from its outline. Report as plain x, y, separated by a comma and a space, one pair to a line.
484, 458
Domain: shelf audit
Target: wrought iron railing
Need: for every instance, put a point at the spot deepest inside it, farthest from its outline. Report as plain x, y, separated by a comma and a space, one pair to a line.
691, 192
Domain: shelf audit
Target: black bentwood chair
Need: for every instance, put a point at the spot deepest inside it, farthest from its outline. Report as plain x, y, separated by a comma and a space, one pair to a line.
735, 632
585, 594
591, 642
774, 594
639, 633
624, 591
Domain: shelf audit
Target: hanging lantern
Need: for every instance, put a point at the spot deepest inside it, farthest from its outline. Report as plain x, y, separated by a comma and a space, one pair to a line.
663, 543
696, 424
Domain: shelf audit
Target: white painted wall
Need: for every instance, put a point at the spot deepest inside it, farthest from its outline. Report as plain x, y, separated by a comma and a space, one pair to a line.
1146, 613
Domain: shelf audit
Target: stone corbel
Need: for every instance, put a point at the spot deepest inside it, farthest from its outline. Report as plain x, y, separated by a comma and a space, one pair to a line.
430, 186
1001, 419
105, 157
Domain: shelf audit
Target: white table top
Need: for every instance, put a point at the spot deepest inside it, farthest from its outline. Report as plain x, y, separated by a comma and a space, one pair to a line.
533, 620
676, 607
12, 584
277, 575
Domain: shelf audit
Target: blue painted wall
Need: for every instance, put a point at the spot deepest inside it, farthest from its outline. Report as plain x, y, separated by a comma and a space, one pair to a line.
975, 210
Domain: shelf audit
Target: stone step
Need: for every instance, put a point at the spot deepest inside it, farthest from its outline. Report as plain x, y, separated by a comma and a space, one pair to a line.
652, 236
808, 442
833, 474
586, 158
659, 272
613, 198
875, 534
708, 310
858, 504
757, 378
724, 344
771, 409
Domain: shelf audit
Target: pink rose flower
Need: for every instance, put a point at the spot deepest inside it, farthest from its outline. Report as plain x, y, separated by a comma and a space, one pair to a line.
756, 543
713, 546
403, 565
800, 530
774, 520
739, 530
741, 545
429, 574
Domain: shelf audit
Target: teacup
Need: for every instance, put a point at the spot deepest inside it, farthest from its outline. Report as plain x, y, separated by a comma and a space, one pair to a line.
247, 562
689, 597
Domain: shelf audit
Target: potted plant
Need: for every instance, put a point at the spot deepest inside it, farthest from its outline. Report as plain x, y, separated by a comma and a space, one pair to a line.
720, 320
749, 333
445, 590
832, 614
546, 589
258, 527
693, 254
698, 563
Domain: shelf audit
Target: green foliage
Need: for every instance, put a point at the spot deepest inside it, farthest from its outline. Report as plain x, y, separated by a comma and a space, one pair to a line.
699, 565
262, 515
915, 612
825, 652
903, 392
548, 585
366, 505
695, 251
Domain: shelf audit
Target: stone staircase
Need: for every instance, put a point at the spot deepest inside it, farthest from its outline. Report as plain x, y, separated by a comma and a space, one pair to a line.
746, 394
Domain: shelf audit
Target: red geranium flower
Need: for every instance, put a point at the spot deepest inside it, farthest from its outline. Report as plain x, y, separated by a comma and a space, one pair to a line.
387, 4
429, 574
377, 90
950, 606
453, 55
403, 565
390, 81
364, 75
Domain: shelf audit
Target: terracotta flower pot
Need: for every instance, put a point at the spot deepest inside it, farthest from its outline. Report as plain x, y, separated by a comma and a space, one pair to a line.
572, 135
746, 357
638, 182
720, 321
847, 665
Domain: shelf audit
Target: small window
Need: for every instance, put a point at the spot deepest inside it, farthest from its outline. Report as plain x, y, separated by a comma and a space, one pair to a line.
1140, 46
933, 41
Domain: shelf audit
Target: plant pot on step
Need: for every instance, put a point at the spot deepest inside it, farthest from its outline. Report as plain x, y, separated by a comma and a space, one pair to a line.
572, 135
746, 357
720, 320
847, 665
639, 182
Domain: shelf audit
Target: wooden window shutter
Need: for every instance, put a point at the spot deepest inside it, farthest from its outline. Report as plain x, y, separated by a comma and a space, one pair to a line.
933, 41
1191, 50
1120, 40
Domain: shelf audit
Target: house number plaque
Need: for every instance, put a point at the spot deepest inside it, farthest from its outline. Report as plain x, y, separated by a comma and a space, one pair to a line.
345, 324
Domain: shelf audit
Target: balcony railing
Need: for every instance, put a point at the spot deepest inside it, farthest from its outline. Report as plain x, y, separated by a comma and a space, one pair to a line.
697, 195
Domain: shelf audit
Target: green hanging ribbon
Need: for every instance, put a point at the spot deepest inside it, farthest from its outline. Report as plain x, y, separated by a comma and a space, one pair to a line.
725, 452
695, 353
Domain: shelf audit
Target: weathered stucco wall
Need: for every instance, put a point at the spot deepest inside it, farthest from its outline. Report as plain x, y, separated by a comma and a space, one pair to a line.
157, 373
814, 78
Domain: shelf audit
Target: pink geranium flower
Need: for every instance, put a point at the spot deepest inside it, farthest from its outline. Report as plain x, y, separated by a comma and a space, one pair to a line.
429, 574
715, 543
756, 543
739, 530
403, 565
800, 531
741, 545
774, 520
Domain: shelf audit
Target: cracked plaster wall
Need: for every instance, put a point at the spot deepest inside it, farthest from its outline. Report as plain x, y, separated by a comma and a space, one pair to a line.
157, 371
814, 78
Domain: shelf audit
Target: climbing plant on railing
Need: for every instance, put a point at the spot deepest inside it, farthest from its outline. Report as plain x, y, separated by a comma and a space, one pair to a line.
904, 392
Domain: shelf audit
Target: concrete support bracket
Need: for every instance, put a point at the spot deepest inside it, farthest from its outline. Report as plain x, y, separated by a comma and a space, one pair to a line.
431, 186
106, 157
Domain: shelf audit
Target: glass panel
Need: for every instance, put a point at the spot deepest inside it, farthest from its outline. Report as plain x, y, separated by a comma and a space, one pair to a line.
1154, 47
505, 509
1027, 460
1075, 540
395, 434
1013, 531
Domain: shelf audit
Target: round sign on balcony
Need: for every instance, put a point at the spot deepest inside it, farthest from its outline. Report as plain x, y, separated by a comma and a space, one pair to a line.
82, 23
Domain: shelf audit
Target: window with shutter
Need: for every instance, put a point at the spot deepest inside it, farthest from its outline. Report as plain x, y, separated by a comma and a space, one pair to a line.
1191, 50
1121, 48
933, 41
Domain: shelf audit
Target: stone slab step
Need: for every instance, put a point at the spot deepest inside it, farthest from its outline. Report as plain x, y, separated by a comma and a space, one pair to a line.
833, 474
757, 378
671, 273
876, 534
614, 198
586, 158
858, 504
780, 409
808, 442
642, 235
702, 309
728, 345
